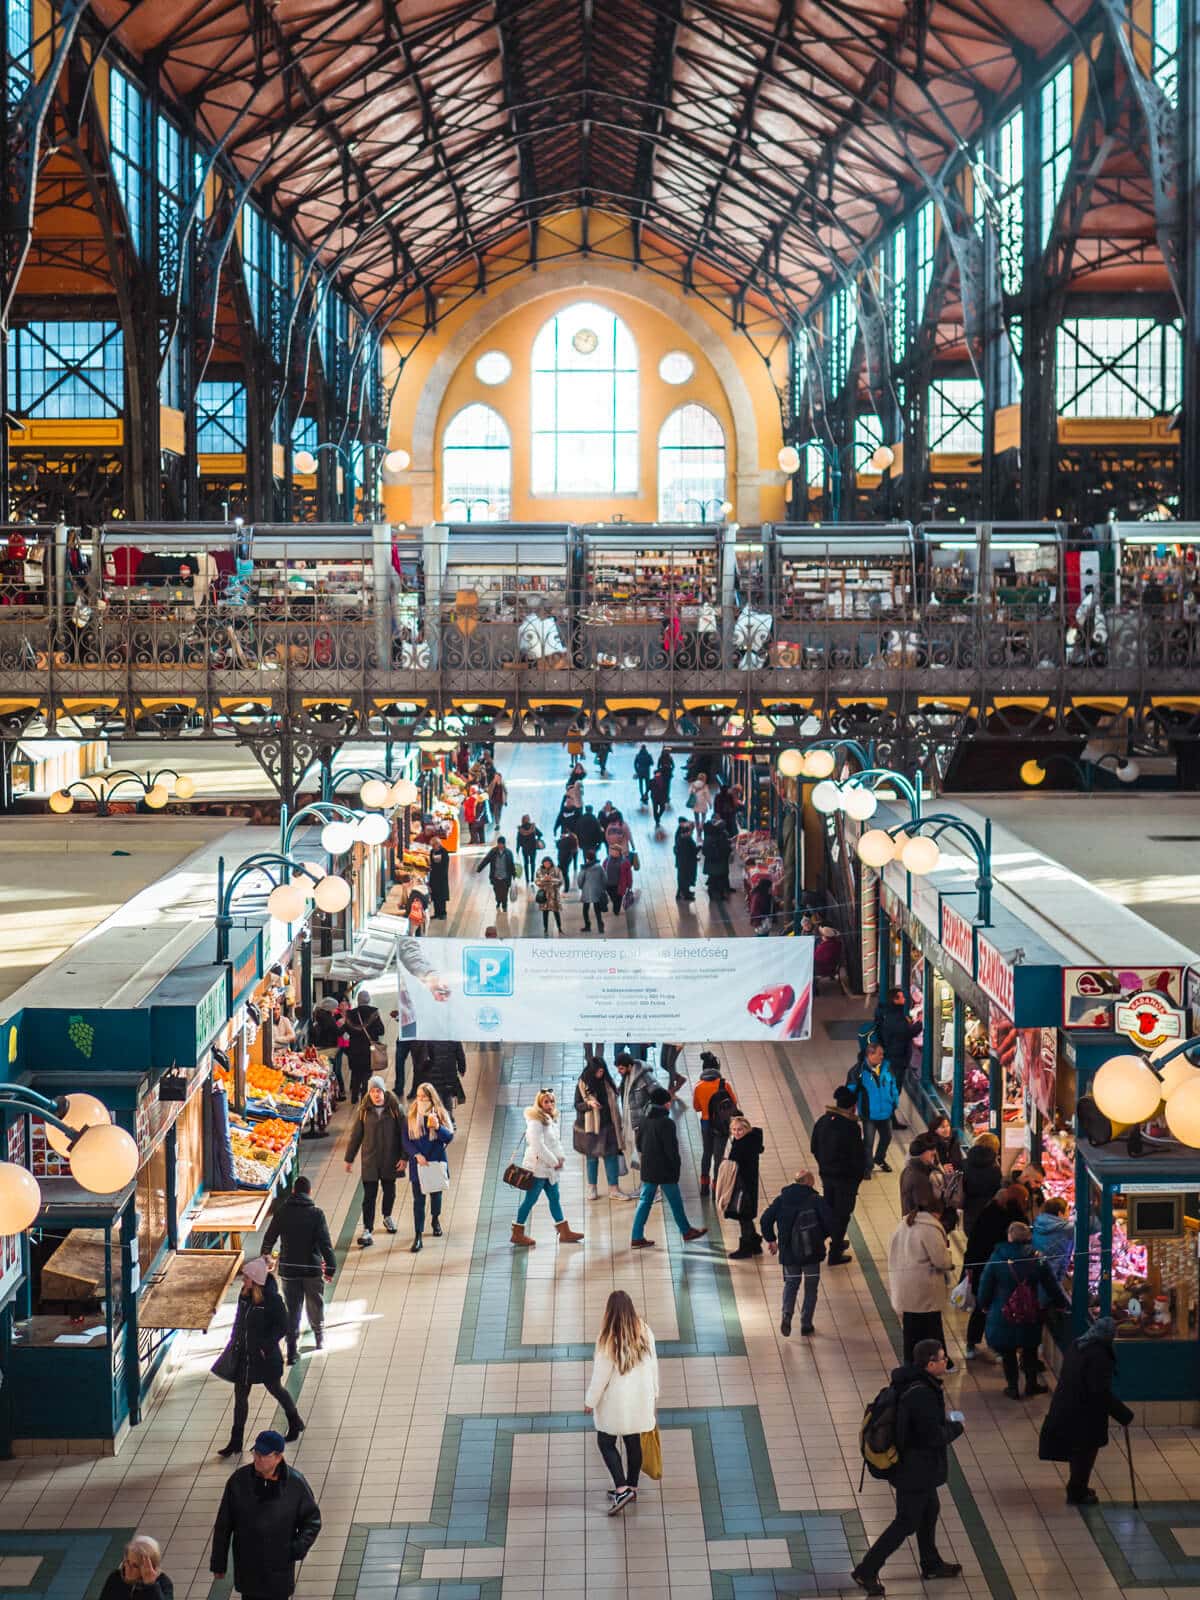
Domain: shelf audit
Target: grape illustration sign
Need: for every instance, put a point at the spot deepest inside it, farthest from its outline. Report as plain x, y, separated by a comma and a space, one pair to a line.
82, 1035
689, 991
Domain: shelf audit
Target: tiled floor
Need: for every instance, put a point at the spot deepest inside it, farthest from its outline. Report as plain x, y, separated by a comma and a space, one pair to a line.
446, 1439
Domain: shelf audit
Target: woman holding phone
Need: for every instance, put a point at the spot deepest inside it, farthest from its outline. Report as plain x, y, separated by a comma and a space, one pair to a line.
427, 1131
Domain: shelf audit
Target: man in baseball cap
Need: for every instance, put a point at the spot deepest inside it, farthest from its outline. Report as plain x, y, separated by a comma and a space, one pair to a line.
270, 1514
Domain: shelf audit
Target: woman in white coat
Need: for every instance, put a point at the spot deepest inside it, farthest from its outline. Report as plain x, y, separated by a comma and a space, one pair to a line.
544, 1158
623, 1394
920, 1269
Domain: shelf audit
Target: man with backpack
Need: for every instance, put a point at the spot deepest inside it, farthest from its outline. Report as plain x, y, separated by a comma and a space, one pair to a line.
804, 1222
716, 1102
906, 1435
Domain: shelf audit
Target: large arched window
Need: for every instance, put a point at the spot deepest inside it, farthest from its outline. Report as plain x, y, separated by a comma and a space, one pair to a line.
585, 404
476, 467
691, 466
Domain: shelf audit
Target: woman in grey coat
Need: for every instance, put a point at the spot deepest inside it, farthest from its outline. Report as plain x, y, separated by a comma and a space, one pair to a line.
378, 1131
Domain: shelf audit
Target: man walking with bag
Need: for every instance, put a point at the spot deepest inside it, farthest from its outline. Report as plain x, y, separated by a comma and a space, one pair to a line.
804, 1222
305, 1257
924, 1431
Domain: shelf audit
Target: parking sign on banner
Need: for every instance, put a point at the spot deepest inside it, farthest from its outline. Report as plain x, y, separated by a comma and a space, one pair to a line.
693, 991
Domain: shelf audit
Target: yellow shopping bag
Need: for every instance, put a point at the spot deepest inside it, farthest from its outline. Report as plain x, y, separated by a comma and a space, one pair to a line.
652, 1453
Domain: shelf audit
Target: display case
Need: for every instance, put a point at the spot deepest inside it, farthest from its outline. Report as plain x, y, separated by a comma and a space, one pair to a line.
1154, 567
505, 591
842, 572
650, 596
1013, 570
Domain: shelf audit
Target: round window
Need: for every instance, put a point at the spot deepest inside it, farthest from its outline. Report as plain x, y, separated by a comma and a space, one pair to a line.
676, 367
493, 367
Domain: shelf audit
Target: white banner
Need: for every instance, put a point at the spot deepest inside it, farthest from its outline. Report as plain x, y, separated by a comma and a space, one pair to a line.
560, 991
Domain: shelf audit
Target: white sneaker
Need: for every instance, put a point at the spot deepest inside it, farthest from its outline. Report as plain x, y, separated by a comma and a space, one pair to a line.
389, 1225
593, 1193
366, 1237
619, 1194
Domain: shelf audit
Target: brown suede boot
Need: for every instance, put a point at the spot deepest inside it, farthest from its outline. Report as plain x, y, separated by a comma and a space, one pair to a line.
565, 1236
519, 1236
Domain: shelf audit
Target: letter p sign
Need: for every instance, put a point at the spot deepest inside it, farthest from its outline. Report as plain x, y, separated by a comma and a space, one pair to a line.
487, 971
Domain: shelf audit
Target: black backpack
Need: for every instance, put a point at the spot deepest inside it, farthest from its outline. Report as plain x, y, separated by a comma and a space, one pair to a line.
806, 1242
722, 1109
877, 1436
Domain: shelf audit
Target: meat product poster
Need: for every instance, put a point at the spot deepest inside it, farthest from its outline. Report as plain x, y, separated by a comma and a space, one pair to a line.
1090, 994
1028, 1058
567, 991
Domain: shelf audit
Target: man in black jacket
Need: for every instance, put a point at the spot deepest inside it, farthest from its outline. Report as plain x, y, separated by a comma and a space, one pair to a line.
587, 830
661, 1167
443, 1063
687, 854
269, 1512
804, 1222
837, 1146
305, 1253
924, 1432
501, 869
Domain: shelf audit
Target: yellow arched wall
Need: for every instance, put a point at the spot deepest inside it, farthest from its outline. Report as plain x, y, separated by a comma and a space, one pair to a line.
655, 332
654, 335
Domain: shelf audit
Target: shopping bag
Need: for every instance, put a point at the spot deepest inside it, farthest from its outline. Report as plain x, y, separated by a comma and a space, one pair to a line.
962, 1297
652, 1453
433, 1177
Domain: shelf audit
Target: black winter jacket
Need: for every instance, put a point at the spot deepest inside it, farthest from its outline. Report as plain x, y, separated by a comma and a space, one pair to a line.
660, 1147
991, 1229
981, 1178
300, 1228
501, 865
791, 1201
255, 1335
745, 1153
687, 854
837, 1146
717, 849
923, 1432
1082, 1402
443, 1063
273, 1523
896, 1034
115, 1588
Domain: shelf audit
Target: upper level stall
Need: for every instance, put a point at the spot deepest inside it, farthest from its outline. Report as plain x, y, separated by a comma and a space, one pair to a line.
652, 594
502, 591
839, 592
1008, 569
1147, 566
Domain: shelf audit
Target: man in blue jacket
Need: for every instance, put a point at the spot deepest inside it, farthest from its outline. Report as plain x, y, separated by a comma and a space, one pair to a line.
877, 1100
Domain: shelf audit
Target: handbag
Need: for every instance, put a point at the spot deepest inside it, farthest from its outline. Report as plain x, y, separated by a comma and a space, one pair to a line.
652, 1462
540, 898
225, 1366
379, 1059
517, 1177
433, 1177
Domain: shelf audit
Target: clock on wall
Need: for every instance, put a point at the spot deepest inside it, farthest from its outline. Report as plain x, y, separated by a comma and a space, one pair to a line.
585, 341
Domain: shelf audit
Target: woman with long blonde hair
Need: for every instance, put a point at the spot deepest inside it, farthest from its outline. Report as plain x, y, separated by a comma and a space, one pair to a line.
544, 1158
427, 1131
623, 1394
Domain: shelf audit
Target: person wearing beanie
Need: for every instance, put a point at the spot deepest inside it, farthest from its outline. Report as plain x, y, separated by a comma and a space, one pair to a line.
378, 1131
1076, 1425
716, 1102
1016, 1287
921, 1177
270, 1515
661, 1167
252, 1354
837, 1147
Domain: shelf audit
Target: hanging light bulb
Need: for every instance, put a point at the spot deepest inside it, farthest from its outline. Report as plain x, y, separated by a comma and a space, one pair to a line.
1176, 1075
82, 1111
875, 848
104, 1159
827, 797
156, 796
882, 458
920, 856
286, 902
304, 462
789, 459
819, 764
404, 792
790, 763
397, 461
373, 829
375, 794
1128, 772
185, 787
1183, 1112
1032, 773
1126, 1090
337, 837
61, 801
333, 894
20, 1198
859, 802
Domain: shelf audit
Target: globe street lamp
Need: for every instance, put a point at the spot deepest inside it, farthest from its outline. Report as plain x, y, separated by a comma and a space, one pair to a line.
103, 1157
918, 851
288, 896
101, 789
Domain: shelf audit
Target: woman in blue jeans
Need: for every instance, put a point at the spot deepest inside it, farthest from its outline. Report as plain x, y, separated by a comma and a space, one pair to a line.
660, 1170
426, 1133
544, 1158
597, 1135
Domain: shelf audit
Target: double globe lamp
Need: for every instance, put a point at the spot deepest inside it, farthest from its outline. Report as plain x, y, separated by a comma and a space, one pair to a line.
103, 1157
876, 847
1128, 1090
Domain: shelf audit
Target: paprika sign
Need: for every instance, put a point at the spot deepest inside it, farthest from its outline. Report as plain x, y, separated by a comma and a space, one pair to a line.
958, 938
995, 976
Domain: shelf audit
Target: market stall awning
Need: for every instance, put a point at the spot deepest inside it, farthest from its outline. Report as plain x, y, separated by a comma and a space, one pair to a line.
188, 1290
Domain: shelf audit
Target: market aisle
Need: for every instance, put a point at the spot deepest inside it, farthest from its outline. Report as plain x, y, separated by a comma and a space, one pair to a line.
446, 1440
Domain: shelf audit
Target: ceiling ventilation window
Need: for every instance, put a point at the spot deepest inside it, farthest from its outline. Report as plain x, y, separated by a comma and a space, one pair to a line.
585, 404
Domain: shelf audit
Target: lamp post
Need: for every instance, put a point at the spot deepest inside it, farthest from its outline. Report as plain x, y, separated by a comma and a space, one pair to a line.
103, 1156
1033, 771
917, 851
286, 900
102, 789
339, 833
377, 791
